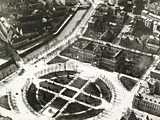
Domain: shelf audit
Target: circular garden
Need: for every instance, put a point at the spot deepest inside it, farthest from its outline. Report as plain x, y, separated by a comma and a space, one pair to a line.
66, 96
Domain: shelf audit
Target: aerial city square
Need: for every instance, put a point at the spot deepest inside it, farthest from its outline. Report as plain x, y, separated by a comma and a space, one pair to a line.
79, 59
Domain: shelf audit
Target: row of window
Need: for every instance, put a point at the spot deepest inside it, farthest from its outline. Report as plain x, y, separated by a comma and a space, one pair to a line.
152, 100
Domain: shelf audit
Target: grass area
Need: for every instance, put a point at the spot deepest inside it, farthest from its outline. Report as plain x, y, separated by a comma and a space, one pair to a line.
81, 116
51, 86
109, 52
57, 59
78, 83
91, 88
69, 93
92, 34
62, 77
4, 102
91, 46
63, 80
105, 91
128, 83
133, 64
88, 99
140, 29
58, 103
44, 97
57, 74
31, 98
75, 110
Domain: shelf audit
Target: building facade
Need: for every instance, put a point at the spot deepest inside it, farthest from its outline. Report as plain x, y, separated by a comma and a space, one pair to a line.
148, 99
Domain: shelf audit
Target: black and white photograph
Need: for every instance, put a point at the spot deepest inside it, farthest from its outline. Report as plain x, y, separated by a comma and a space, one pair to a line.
79, 59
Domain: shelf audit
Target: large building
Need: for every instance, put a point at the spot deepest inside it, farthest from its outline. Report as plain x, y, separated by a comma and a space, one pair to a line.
151, 20
153, 6
148, 98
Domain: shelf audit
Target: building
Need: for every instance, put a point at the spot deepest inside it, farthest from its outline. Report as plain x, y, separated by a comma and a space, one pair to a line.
153, 6
153, 43
155, 74
147, 98
103, 56
133, 115
129, 115
151, 20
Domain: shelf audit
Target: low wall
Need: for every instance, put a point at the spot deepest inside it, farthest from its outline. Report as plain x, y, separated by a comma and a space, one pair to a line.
56, 68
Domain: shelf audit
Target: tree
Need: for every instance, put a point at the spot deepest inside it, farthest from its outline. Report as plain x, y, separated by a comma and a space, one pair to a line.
108, 36
139, 6
127, 4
